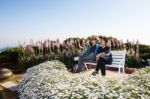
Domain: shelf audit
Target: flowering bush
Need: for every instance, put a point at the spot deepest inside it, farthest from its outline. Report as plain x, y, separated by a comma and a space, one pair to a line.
52, 80
138, 85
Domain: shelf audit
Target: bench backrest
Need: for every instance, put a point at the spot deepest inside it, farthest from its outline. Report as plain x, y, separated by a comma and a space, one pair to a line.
118, 57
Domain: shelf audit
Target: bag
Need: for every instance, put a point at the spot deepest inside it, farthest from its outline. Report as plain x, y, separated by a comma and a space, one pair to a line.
108, 58
105, 56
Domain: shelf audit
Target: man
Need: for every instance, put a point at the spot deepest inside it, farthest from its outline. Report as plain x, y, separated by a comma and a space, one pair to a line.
89, 55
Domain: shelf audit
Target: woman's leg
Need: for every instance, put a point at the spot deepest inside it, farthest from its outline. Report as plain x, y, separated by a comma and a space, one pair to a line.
101, 65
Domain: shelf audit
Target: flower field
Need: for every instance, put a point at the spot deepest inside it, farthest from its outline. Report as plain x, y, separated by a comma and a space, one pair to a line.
52, 80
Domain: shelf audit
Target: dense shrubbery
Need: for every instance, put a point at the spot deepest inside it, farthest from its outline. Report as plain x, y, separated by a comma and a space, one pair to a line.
10, 59
10, 55
132, 61
27, 55
144, 51
51, 79
142, 60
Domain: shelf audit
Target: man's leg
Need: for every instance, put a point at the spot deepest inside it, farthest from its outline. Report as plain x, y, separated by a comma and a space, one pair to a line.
83, 59
80, 63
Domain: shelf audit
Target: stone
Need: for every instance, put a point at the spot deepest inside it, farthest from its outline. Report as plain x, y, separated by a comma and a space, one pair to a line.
10, 86
5, 73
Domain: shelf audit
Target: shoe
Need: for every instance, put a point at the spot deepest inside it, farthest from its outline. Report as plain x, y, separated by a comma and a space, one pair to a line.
75, 68
103, 75
94, 73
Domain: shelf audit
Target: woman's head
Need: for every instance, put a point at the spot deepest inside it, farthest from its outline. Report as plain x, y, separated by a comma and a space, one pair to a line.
100, 40
104, 41
109, 43
93, 40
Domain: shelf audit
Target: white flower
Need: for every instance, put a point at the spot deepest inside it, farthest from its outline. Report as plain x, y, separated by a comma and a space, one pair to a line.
52, 80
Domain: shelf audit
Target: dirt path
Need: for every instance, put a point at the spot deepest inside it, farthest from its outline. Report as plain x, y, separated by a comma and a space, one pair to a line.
109, 74
5, 85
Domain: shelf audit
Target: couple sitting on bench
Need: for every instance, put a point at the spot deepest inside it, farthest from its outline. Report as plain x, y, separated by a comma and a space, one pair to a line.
98, 53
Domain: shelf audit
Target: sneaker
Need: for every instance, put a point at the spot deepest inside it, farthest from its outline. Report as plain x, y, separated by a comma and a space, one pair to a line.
94, 73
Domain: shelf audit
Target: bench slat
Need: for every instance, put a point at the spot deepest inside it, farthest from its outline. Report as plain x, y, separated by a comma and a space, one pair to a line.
118, 60
118, 52
118, 55
117, 64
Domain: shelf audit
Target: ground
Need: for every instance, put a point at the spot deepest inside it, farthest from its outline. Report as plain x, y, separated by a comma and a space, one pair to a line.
6, 93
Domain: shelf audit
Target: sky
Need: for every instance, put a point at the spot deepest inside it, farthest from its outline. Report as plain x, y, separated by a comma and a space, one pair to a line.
22, 20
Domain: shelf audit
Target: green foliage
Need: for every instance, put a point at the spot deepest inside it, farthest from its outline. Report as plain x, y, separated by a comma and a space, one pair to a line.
10, 56
144, 51
147, 70
24, 64
144, 48
132, 61
145, 55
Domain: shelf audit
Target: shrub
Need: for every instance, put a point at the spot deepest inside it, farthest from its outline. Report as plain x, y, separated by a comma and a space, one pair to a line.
10, 55
52, 80
132, 61
10, 59
144, 51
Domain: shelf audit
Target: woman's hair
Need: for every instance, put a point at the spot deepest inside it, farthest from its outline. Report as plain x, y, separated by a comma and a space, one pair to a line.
105, 39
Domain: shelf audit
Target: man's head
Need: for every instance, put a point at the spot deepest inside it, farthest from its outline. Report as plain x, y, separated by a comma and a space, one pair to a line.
93, 40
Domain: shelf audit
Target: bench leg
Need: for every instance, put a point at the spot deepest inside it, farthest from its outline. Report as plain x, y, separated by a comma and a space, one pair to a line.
86, 66
119, 70
123, 70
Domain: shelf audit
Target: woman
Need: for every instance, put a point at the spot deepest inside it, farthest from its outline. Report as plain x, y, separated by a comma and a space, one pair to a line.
104, 57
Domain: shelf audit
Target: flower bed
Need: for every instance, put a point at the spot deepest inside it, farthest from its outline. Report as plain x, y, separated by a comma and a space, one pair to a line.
52, 80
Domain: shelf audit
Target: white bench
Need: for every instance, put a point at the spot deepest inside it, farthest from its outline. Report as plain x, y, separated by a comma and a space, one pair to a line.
118, 58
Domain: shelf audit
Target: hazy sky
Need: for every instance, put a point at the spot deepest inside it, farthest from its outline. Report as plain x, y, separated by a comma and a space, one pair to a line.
21, 20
